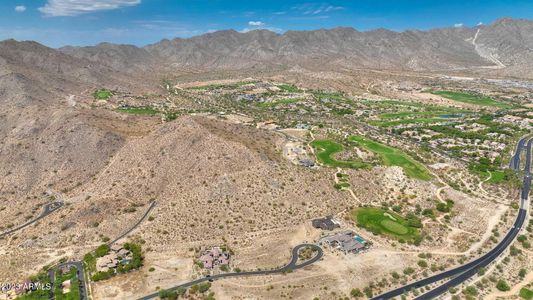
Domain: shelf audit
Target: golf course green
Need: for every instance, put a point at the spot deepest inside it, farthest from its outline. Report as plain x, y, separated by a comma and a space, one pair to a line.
471, 99
380, 221
393, 157
325, 149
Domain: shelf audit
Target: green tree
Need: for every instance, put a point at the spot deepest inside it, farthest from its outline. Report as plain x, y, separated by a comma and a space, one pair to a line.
502, 285
368, 292
181, 291
522, 273
102, 250
356, 293
422, 263
166, 294
470, 290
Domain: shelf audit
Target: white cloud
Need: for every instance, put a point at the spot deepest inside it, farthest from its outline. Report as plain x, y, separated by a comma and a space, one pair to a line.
480, 23
20, 8
458, 25
56, 8
316, 8
256, 23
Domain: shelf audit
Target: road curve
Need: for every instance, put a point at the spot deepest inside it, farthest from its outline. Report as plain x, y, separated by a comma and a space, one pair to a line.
507, 240
469, 269
514, 164
152, 205
483, 262
47, 209
289, 267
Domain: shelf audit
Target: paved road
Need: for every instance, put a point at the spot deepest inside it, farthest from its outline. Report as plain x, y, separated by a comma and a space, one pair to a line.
514, 164
47, 209
289, 267
79, 264
482, 262
81, 276
152, 205
469, 269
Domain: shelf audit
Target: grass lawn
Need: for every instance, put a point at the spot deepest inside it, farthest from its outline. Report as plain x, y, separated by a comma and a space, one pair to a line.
471, 99
497, 177
74, 293
394, 157
145, 110
325, 149
526, 293
102, 94
289, 88
379, 221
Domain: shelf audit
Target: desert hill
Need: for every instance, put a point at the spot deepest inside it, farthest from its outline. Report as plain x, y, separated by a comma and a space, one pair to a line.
504, 44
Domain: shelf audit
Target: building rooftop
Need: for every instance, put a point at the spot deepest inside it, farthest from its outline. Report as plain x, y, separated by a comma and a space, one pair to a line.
347, 241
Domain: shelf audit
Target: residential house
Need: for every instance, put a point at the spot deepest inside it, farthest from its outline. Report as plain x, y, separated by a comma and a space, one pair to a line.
326, 223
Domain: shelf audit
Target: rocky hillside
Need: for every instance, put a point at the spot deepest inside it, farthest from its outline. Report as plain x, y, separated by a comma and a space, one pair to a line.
45, 137
504, 44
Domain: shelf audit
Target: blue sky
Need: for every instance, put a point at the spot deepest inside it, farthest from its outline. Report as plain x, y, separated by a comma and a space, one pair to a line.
86, 22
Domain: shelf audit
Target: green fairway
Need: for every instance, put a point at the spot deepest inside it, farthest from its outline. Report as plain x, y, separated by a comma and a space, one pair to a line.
471, 99
526, 293
404, 112
379, 221
394, 157
143, 110
497, 177
325, 149
418, 117
392, 103
102, 94
289, 88
394, 226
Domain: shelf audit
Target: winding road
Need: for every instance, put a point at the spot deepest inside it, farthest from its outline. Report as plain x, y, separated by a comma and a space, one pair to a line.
468, 270
152, 205
47, 209
287, 268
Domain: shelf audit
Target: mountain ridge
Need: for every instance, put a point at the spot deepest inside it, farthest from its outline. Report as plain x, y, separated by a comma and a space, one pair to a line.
448, 48
505, 44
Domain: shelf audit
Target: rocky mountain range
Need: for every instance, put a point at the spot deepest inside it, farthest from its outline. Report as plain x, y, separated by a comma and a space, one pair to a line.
505, 44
